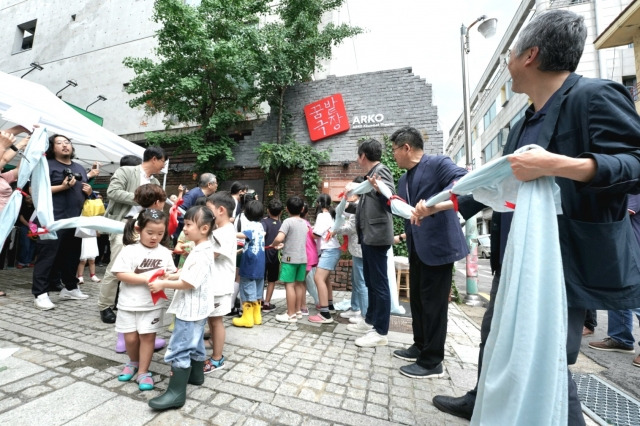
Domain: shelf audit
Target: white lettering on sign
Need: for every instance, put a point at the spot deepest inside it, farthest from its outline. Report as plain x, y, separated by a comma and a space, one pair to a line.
368, 119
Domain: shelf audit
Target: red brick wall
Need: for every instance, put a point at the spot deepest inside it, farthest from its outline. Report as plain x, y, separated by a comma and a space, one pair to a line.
341, 277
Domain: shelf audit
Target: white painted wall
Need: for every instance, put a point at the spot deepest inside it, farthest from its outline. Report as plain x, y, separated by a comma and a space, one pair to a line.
89, 49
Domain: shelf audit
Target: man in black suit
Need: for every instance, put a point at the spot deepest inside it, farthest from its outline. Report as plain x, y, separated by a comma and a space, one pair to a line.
433, 247
591, 133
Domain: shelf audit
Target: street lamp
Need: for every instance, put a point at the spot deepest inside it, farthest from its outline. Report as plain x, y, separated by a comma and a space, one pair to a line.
100, 98
487, 28
69, 83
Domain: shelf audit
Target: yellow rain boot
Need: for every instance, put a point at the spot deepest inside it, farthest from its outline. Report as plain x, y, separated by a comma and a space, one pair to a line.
246, 320
257, 315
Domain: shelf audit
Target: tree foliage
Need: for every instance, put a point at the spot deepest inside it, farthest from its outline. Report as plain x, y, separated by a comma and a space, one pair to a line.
396, 172
205, 72
279, 160
218, 60
295, 46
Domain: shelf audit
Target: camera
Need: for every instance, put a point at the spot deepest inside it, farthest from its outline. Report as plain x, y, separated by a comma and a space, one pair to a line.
68, 173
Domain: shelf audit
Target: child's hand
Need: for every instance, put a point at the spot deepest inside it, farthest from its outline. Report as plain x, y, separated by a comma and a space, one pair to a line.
156, 286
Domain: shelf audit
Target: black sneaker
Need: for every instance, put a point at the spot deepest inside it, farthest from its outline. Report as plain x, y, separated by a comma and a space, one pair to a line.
332, 309
268, 307
416, 372
409, 354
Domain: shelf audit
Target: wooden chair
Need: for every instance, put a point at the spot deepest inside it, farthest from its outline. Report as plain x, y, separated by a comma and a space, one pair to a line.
402, 274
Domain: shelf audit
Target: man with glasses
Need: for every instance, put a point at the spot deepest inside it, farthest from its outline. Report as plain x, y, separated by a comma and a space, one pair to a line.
591, 134
433, 247
69, 190
122, 187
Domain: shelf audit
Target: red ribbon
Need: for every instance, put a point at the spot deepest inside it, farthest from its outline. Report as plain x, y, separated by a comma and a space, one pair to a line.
395, 197
345, 243
35, 234
454, 199
510, 205
173, 216
160, 294
24, 194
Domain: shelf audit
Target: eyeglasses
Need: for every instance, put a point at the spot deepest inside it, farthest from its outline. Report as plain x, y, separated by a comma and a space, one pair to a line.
397, 147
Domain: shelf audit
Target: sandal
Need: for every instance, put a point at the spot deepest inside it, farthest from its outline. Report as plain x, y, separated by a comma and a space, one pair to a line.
213, 365
128, 372
145, 381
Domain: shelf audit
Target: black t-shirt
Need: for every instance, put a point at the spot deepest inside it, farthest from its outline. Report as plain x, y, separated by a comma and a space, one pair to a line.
67, 203
271, 227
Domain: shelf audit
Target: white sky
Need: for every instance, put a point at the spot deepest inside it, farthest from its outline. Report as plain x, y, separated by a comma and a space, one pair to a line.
424, 35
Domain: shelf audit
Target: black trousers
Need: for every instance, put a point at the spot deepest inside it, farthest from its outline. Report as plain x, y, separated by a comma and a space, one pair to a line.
429, 299
58, 257
575, 321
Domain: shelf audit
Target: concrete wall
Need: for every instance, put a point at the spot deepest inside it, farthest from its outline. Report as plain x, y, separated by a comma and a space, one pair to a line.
402, 97
88, 48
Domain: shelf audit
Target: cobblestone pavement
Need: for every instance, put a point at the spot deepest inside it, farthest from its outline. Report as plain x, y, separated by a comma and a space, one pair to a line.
59, 367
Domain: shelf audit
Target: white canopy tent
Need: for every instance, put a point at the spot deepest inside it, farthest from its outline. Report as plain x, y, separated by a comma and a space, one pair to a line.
22, 100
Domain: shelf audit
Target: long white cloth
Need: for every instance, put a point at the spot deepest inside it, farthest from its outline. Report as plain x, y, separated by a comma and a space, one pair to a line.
524, 369
34, 165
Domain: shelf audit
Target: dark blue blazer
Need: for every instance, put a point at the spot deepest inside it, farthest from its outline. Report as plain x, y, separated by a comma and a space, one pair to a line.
593, 118
439, 239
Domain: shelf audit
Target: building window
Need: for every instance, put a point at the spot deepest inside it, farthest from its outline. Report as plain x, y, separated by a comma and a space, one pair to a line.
25, 34
490, 115
631, 83
492, 149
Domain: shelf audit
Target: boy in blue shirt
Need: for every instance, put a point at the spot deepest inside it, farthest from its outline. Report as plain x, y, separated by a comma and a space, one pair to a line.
251, 266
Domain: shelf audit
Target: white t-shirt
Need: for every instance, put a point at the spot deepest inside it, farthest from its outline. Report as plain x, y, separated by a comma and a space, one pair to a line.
198, 270
224, 243
323, 225
137, 258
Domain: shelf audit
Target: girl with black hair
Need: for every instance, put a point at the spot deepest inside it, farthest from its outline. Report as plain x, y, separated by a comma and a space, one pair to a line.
192, 303
139, 318
329, 257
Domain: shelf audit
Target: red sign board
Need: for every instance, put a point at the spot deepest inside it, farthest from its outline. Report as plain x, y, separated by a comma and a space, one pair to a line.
326, 117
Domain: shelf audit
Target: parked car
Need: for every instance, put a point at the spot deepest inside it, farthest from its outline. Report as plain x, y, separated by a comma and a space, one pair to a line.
484, 246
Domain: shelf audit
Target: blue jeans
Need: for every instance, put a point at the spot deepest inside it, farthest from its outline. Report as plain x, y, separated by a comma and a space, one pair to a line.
377, 281
251, 289
359, 296
27, 246
620, 327
186, 343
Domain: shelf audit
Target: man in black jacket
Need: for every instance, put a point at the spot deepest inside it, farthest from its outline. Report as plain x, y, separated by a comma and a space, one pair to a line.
591, 133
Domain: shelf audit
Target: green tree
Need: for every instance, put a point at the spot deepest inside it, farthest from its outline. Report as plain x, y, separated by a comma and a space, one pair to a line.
205, 74
294, 47
280, 160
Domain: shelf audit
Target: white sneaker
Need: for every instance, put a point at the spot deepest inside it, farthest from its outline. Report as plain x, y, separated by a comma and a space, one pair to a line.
286, 318
80, 280
74, 294
355, 320
360, 327
95, 279
350, 314
43, 302
371, 339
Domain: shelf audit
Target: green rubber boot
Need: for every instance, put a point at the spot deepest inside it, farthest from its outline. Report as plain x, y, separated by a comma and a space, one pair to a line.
197, 373
176, 394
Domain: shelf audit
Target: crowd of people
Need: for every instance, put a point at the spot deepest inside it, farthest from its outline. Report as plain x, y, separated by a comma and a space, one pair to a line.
225, 245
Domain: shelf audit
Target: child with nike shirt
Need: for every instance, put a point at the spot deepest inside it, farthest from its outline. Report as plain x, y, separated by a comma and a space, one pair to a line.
138, 317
